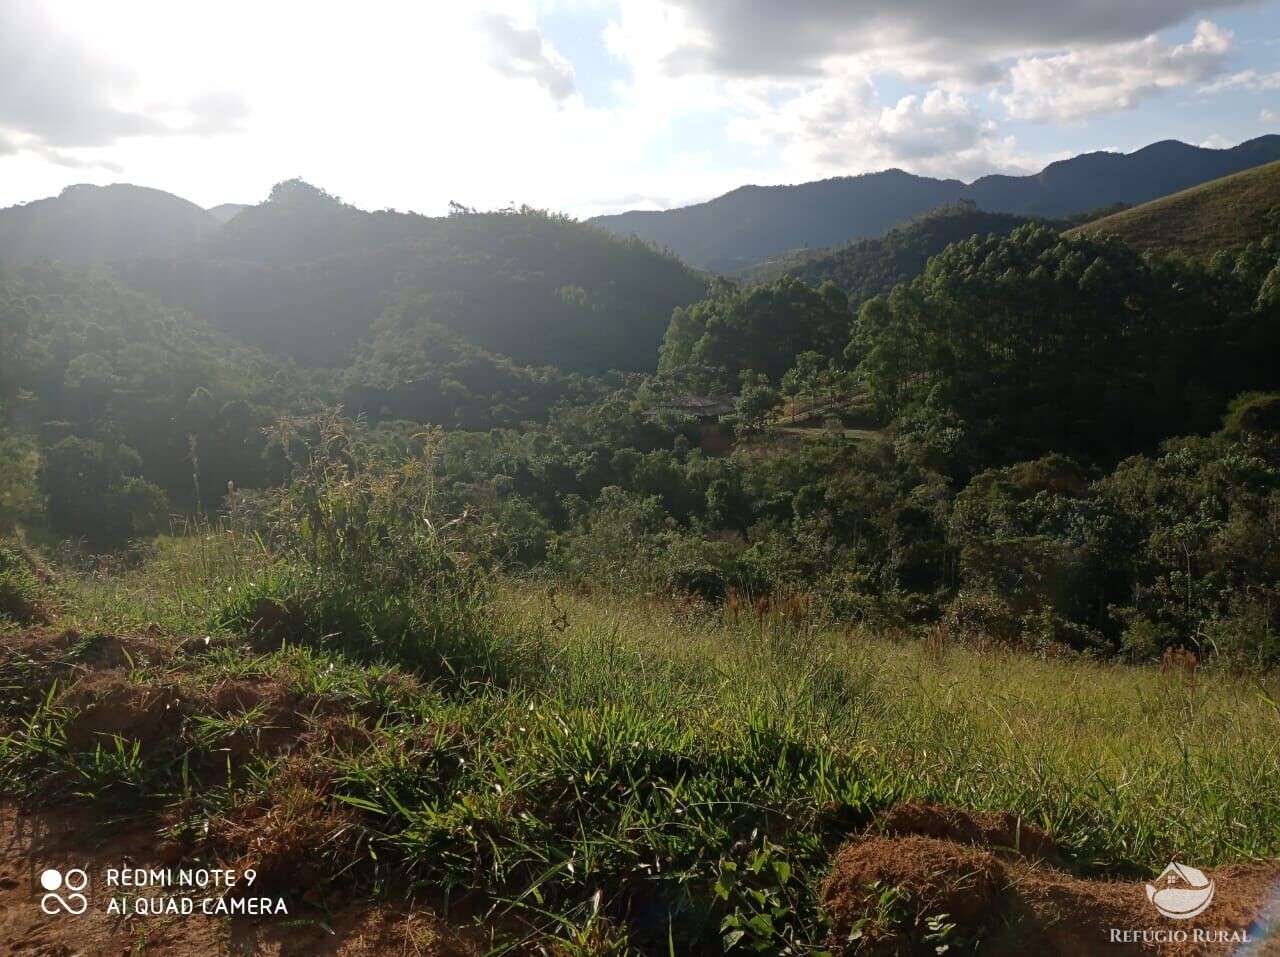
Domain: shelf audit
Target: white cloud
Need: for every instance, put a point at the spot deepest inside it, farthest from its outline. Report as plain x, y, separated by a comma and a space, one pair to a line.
523, 52
1078, 84
59, 92
1244, 80
926, 39
840, 126
423, 103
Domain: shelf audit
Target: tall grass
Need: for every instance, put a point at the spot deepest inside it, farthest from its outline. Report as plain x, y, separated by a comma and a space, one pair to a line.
623, 773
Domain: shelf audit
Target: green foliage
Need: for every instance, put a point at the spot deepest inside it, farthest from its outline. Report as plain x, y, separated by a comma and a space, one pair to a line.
361, 561
23, 598
305, 275
755, 403
93, 490
870, 267
130, 385
1038, 343
761, 330
20, 501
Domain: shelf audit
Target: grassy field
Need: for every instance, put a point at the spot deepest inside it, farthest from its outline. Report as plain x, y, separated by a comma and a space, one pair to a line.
625, 774
1227, 213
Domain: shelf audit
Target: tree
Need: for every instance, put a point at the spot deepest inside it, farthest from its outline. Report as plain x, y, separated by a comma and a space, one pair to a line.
755, 403
761, 329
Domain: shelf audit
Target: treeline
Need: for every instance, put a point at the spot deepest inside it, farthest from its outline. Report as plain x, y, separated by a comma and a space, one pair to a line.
1037, 343
868, 267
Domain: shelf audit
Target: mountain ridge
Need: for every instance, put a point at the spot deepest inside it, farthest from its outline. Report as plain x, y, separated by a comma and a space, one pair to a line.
87, 225
751, 224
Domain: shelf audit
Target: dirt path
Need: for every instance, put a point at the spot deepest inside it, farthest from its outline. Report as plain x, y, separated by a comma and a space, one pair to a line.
30, 844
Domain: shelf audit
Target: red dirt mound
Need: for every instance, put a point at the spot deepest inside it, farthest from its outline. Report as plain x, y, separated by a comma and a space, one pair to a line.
93, 652
998, 831
108, 705
937, 877
277, 720
894, 893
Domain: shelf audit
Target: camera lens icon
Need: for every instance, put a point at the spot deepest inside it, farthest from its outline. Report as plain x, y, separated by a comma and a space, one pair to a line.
73, 881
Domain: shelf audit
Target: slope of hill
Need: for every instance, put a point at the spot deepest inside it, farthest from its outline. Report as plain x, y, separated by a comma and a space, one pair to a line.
868, 267
753, 223
89, 225
305, 275
300, 223
224, 212
119, 392
1227, 213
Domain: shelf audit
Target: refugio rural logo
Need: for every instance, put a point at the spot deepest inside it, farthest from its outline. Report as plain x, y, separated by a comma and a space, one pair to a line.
1181, 892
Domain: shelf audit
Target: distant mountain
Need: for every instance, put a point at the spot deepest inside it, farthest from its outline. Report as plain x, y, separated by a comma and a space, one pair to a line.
306, 275
227, 211
301, 223
1226, 213
868, 267
755, 223
90, 225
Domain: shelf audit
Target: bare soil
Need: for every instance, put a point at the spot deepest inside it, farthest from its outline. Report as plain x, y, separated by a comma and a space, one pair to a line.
31, 842
950, 866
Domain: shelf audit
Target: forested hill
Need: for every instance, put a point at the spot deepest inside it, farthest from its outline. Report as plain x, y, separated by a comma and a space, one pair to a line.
305, 276
90, 225
1227, 213
754, 223
869, 267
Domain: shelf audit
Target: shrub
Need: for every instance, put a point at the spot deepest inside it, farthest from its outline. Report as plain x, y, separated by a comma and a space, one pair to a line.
362, 564
21, 592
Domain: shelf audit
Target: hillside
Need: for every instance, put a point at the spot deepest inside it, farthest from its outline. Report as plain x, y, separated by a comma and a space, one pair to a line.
305, 275
90, 225
1227, 213
868, 267
754, 223
119, 392
226, 211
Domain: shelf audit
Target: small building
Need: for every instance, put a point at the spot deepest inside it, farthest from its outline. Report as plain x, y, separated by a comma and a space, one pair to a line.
707, 409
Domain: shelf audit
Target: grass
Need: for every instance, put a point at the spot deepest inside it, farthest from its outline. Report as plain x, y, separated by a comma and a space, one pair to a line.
648, 777
1227, 213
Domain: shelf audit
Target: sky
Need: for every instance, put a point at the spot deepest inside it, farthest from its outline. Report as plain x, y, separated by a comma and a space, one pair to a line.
591, 106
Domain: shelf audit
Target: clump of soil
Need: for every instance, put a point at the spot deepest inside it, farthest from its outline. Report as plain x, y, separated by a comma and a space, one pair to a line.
70, 649
340, 733
925, 866
273, 720
998, 831
293, 834
934, 878
108, 705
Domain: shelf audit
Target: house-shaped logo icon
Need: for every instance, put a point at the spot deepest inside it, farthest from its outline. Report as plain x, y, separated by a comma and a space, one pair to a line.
1181, 892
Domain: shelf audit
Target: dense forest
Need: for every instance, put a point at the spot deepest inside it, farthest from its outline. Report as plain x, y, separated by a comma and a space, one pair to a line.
1029, 437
